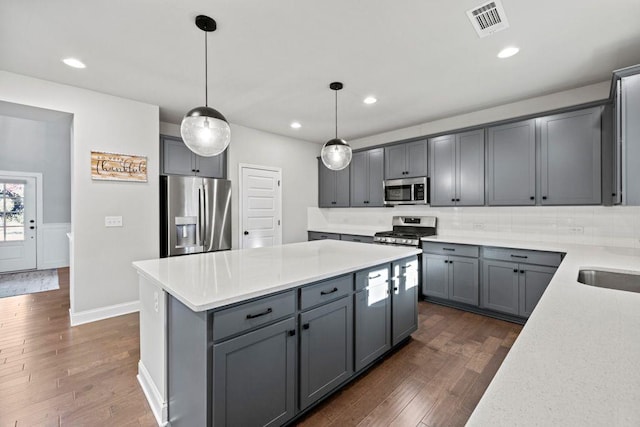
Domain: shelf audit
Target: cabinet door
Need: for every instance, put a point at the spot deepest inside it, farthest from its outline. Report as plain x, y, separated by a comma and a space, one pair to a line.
417, 159
359, 179
177, 159
404, 299
373, 323
512, 164
435, 271
395, 161
630, 136
570, 158
327, 186
326, 349
442, 158
470, 168
254, 377
342, 188
500, 286
463, 280
376, 178
211, 167
533, 281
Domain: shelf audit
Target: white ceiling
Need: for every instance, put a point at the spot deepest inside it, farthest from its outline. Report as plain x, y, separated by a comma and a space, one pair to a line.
271, 62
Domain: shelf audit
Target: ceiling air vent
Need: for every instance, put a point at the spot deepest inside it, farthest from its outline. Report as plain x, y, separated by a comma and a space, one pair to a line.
488, 18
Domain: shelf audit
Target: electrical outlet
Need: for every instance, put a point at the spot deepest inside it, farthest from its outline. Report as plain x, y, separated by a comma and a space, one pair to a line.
576, 230
113, 221
155, 301
478, 226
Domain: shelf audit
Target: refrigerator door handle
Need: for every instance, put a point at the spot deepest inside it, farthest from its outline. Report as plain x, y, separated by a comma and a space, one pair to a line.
201, 215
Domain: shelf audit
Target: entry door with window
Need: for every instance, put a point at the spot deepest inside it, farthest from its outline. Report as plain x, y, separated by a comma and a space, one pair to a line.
261, 207
17, 223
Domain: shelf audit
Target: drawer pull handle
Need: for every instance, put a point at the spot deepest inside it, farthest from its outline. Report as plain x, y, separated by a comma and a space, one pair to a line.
329, 292
375, 277
449, 249
264, 313
519, 256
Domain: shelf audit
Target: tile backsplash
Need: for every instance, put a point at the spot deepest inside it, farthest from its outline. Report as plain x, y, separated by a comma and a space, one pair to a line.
596, 225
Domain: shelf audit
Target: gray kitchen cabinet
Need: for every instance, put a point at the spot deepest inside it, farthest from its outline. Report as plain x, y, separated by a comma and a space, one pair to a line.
372, 315
316, 235
404, 294
254, 377
570, 158
457, 169
627, 135
356, 238
333, 191
326, 349
406, 160
516, 287
449, 277
367, 170
178, 159
511, 174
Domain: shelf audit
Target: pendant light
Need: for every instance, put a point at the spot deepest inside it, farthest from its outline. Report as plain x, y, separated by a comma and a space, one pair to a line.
336, 153
205, 130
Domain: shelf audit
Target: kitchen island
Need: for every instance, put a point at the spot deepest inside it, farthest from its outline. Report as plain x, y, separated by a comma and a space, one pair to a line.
575, 363
259, 336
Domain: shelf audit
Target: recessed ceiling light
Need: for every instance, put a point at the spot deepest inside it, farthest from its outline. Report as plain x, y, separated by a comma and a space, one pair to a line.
73, 62
296, 125
370, 100
508, 52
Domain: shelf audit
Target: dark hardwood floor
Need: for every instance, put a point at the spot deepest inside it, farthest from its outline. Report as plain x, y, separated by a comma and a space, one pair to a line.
52, 374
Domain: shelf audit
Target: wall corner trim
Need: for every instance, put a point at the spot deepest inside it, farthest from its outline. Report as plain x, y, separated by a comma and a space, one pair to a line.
87, 316
151, 392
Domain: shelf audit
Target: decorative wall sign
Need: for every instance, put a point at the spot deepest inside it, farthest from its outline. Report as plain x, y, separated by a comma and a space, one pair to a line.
118, 167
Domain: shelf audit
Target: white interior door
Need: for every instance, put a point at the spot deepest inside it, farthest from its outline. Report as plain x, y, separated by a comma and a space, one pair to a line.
261, 211
17, 223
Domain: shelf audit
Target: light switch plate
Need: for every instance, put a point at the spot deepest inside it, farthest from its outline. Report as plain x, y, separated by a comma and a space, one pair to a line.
113, 221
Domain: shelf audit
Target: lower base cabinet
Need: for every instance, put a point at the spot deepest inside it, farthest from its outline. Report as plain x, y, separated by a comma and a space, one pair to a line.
326, 355
254, 377
404, 294
451, 277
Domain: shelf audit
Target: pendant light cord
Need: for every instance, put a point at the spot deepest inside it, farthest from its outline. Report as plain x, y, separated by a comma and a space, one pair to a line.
206, 72
336, 114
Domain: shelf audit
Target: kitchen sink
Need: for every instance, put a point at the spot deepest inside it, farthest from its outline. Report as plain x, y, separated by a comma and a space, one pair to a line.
629, 282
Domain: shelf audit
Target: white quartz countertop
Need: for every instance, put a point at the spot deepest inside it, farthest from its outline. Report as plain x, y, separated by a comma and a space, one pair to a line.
216, 279
577, 360
353, 230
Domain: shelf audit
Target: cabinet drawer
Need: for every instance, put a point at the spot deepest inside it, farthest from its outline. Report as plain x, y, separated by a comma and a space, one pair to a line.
326, 291
373, 276
523, 256
355, 238
450, 249
243, 317
316, 235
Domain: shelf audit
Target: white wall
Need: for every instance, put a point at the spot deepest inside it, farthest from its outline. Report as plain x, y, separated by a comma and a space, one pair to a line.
297, 159
567, 98
103, 281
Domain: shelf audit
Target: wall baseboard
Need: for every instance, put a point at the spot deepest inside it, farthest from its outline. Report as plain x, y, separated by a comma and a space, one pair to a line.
87, 316
151, 392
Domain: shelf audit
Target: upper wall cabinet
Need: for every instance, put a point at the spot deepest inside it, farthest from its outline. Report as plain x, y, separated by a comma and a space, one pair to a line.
511, 154
627, 141
177, 159
570, 158
457, 169
406, 160
366, 178
333, 191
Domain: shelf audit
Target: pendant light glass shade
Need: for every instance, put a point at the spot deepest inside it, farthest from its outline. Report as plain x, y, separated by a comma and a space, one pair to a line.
336, 153
204, 129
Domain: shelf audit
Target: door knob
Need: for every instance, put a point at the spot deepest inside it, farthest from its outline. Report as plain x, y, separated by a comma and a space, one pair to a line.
246, 233
32, 227
32, 221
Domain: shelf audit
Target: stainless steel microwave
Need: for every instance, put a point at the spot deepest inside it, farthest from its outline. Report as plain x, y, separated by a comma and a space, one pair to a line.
406, 191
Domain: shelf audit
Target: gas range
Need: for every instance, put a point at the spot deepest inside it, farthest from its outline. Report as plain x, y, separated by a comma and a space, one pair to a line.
407, 230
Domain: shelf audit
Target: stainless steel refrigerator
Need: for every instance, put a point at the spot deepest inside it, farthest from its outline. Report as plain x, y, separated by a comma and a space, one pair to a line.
195, 215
